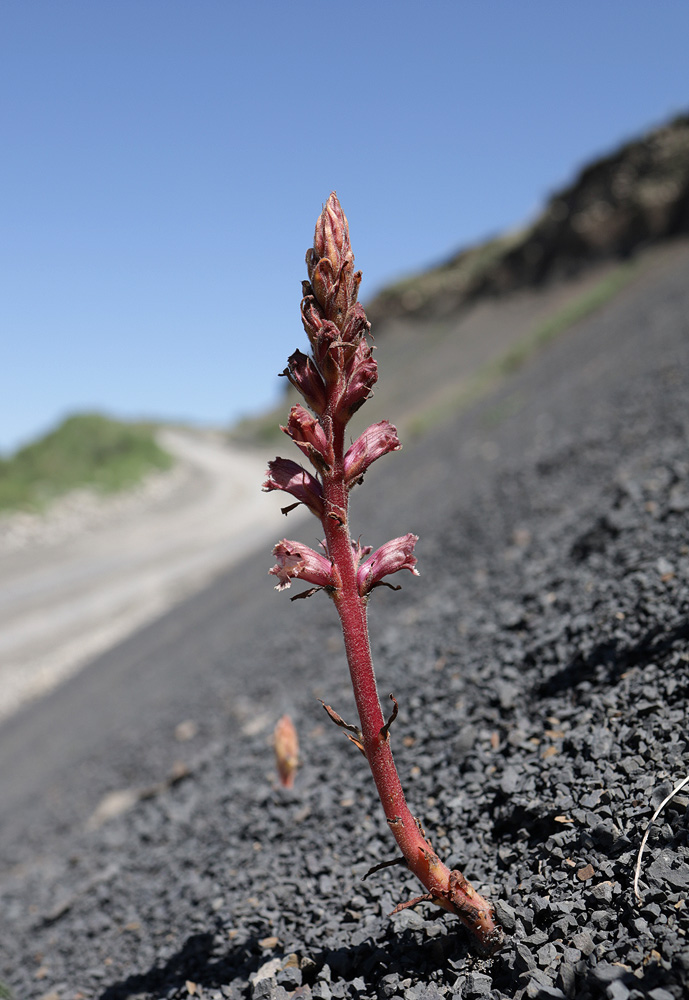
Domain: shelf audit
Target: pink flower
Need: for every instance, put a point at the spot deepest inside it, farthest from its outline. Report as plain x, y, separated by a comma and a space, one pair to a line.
309, 436
389, 558
377, 440
295, 560
284, 474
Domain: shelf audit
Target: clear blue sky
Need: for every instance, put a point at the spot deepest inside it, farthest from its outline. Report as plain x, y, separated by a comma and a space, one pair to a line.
164, 161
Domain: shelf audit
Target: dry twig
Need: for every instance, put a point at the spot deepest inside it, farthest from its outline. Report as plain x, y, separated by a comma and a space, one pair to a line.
637, 872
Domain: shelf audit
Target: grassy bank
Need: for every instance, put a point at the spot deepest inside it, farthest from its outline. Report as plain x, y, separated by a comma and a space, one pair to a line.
85, 450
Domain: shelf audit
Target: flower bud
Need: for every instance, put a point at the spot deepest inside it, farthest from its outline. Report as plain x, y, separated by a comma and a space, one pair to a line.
312, 317
309, 436
305, 377
389, 558
360, 550
286, 746
357, 325
330, 264
362, 374
324, 336
323, 281
331, 237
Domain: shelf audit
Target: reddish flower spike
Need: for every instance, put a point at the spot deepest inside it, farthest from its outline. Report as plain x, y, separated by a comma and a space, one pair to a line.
335, 382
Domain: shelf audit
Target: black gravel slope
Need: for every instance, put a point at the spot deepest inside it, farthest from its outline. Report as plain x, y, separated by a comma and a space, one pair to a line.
542, 670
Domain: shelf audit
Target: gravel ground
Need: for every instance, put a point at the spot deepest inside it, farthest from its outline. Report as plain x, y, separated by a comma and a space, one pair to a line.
542, 670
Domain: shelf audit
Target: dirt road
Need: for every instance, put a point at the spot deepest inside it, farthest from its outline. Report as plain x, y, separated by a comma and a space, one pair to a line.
93, 570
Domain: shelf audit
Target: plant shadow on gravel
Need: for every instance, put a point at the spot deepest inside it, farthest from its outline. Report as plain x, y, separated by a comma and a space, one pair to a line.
193, 962
201, 960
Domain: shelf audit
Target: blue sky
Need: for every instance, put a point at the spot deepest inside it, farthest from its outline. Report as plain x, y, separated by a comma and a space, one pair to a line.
164, 162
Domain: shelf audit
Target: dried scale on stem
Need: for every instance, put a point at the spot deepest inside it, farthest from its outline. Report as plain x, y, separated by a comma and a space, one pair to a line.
335, 380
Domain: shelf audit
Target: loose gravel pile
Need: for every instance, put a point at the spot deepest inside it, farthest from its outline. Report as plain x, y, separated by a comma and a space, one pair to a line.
541, 665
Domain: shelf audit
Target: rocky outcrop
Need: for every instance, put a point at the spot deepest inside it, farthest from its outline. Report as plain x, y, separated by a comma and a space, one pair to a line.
636, 196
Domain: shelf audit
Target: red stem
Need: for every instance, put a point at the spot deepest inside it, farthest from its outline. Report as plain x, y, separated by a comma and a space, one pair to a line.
448, 889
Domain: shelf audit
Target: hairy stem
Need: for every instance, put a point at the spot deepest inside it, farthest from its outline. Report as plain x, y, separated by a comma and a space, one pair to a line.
448, 889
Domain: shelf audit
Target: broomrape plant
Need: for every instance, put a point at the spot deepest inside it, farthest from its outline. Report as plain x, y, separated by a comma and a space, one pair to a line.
335, 380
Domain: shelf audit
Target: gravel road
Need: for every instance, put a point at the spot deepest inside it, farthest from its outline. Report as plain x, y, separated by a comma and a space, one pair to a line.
541, 664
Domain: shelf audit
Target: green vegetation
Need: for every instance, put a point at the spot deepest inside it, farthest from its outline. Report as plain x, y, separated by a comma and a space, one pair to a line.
587, 303
85, 450
494, 372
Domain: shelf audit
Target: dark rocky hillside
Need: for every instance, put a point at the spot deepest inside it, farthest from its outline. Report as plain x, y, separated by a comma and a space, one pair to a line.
636, 196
